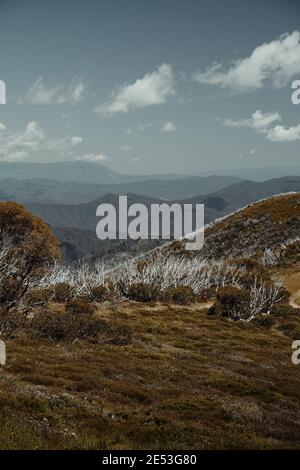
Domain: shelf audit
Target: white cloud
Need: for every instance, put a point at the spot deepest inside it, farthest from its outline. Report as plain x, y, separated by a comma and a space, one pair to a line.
153, 89
140, 127
270, 64
252, 152
92, 157
258, 121
124, 148
284, 134
169, 127
2, 127
19, 145
75, 140
41, 94
266, 123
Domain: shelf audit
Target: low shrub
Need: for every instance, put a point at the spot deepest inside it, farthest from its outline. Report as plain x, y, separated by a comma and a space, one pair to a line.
290, 329
100, 293
206, 295
250, 264
62, 292
79, 307
8, 289
231, 303
183, 295
265, 321
37, 297
64, 327
142, 292
284, 310
12, 322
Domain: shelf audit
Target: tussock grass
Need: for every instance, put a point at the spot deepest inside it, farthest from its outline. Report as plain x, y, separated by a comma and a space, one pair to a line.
186, 381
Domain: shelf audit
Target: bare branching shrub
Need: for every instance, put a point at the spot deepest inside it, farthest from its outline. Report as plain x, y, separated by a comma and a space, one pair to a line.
247, 304
81, 280
263, 296
290, 249
177, 277
164, 272
157, 274
27, 247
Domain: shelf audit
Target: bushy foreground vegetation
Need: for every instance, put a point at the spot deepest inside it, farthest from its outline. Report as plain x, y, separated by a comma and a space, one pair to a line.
172, 278
241, 287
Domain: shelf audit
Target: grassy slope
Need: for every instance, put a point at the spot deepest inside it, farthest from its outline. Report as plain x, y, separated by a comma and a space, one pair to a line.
186, 381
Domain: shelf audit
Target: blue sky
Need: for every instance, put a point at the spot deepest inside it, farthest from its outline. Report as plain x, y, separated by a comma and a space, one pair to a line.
151, 87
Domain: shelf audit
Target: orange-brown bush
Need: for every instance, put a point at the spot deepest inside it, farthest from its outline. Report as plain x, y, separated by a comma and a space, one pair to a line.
27, 247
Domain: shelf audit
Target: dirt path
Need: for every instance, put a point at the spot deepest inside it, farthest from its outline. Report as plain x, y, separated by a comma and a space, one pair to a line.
295, 299
292, 283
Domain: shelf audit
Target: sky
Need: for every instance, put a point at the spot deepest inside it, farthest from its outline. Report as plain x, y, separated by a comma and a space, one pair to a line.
145, 87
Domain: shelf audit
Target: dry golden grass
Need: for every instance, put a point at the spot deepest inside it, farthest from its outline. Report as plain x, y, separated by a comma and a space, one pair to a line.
186, 381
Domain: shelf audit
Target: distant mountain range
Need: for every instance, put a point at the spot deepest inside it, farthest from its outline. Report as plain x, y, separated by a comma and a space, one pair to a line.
72, 192
256, 174
97, 173
82, 172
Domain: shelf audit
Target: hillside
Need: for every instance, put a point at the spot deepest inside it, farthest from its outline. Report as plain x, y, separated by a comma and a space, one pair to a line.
265, 224
270, 227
